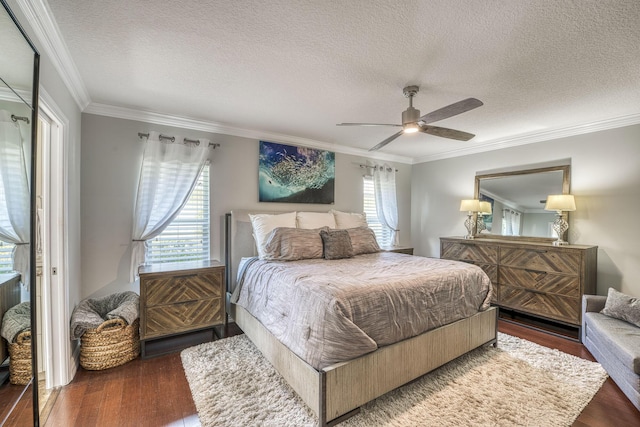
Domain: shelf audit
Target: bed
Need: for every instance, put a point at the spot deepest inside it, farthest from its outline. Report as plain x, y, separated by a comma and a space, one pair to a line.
334, 385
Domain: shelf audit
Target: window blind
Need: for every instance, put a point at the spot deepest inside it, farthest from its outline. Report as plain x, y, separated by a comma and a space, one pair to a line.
383, 233
6, 263
187, 237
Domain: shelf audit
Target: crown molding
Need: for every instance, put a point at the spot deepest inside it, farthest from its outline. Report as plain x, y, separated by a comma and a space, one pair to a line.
48, 34
529, 138
208, 126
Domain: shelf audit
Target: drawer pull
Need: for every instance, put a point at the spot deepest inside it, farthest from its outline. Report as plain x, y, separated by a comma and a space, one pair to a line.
535, 291
538, 251
184, 276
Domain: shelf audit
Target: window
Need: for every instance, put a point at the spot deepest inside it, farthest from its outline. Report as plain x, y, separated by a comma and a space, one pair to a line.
187, 237
383, 233
6, 263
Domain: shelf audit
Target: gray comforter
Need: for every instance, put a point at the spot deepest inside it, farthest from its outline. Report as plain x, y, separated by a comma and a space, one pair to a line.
333, 311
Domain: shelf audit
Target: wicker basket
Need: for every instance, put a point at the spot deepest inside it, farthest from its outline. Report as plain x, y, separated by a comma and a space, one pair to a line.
20, 371
113, 343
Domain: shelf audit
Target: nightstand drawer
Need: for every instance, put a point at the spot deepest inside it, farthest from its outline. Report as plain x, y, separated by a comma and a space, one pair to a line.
542, 281
183, 287
185, 316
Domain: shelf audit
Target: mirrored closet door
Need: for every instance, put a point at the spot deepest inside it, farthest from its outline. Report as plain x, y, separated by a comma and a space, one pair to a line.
19, 62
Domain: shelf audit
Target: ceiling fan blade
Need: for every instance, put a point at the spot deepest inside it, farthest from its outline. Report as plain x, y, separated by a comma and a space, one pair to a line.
446, 133
451, 110
366, 124
386, 141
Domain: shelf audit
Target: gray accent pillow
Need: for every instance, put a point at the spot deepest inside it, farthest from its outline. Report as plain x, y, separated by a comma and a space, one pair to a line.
337, 244
623, 307
363, 240
292, 244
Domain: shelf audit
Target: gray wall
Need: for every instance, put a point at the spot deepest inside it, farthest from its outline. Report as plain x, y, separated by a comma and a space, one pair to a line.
51, 82
111, 159
605, 179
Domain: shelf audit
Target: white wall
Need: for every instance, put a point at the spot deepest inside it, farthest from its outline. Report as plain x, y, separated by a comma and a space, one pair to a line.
111, 159
605, 179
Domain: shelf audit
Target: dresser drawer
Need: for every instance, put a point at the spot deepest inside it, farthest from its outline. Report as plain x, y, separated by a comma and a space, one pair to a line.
183, 287
541, 281
184, 316
565, 309
542, 259
467, 251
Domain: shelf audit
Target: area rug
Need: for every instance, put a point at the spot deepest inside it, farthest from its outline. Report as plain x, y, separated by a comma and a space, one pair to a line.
517, 384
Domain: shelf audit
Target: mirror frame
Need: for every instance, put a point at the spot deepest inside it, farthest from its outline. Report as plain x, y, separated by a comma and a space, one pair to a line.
33, 224
566, 188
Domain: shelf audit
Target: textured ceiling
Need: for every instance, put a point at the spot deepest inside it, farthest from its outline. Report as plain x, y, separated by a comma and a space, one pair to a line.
299, 67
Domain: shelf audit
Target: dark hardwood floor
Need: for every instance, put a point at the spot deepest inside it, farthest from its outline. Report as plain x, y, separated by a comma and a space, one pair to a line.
155, 392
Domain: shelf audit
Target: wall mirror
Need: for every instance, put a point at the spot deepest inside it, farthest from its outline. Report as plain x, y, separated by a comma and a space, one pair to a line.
517, 199
19, 62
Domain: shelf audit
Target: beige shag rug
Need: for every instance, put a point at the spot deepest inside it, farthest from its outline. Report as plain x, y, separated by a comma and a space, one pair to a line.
517, 384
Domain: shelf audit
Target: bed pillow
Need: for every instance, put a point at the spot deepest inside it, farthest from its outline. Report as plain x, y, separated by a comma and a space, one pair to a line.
337, 244
622, 307
292, 244
263, 224
363, 240
349, 220
315, 220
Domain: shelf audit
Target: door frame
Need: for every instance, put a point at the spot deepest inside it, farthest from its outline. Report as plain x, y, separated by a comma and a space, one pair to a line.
60, 365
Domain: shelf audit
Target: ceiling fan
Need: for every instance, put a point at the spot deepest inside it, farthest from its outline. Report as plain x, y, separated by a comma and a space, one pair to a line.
413, 122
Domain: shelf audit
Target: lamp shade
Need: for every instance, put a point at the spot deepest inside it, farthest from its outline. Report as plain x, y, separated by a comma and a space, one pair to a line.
560, 202
470, 205
485, 208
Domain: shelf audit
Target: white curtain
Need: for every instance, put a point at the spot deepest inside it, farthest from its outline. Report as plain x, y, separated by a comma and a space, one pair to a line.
511, 220
384, 184
15, 157
168, 176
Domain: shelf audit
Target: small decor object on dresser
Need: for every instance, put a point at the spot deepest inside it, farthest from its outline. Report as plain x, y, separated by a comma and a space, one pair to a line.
181, 304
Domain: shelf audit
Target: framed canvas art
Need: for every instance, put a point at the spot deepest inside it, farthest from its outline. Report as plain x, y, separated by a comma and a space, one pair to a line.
290, 174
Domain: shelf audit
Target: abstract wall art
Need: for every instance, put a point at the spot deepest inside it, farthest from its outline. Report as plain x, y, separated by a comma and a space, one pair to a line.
290, 174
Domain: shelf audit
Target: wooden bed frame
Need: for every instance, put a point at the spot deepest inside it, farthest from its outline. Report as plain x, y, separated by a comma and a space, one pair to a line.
337, 392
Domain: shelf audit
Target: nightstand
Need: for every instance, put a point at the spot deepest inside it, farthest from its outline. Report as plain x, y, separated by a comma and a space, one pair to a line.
399, 249
181, 305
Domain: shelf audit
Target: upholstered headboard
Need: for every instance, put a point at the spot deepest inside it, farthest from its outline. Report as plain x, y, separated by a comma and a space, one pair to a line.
239, 241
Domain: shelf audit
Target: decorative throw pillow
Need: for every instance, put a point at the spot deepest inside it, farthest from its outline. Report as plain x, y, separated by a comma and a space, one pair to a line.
337, 244
346, 220
363, 240
292, 244
315, 220
623, 307
263, 224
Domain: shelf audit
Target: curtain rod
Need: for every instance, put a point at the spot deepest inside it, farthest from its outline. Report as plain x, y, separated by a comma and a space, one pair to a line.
16, 118
363, 166
173, 139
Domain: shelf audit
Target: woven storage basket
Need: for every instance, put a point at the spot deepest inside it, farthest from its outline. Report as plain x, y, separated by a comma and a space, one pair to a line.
20, 372
113, 343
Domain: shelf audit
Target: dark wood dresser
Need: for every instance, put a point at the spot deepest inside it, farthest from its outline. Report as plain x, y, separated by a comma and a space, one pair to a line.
180, 305
537, 279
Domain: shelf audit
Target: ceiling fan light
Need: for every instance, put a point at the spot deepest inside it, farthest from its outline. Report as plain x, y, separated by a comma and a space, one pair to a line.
411, 128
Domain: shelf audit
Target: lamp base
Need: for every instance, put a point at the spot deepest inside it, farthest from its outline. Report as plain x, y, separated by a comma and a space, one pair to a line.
560, 243
469, 223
